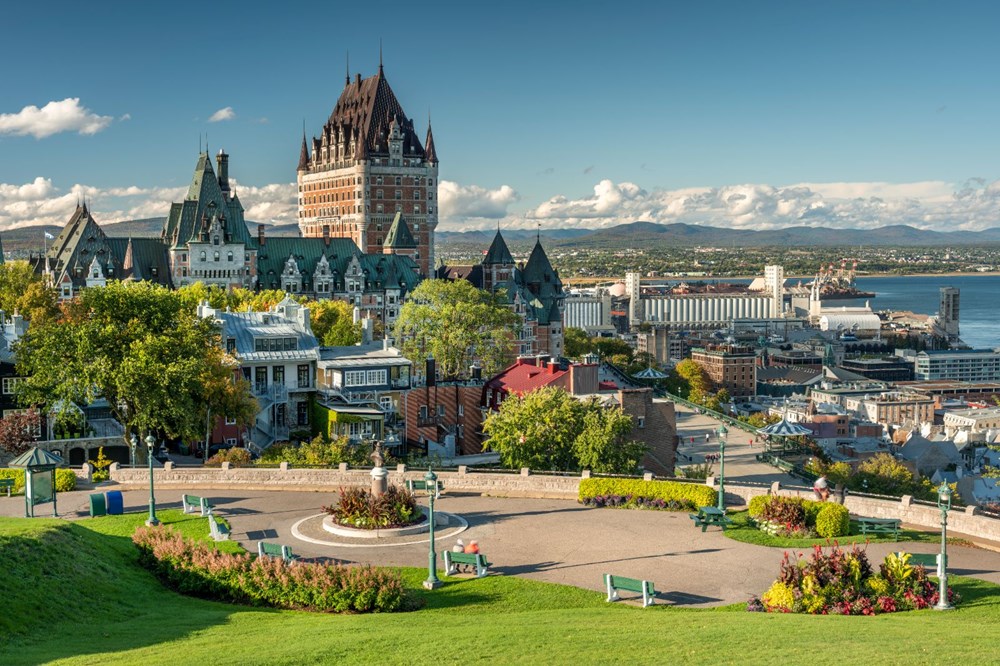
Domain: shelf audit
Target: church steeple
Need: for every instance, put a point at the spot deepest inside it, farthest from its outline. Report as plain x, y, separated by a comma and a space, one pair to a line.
429, 150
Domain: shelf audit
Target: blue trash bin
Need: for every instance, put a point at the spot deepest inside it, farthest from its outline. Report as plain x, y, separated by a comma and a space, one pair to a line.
116, 506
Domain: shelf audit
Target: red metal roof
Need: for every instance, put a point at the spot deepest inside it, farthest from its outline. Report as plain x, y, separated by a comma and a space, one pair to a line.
524, 376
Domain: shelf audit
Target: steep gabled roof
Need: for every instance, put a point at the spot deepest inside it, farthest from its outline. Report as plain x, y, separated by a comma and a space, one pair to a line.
399, 236
364, 111
78, 245
205, 201
498, 252
303, 155
142, 259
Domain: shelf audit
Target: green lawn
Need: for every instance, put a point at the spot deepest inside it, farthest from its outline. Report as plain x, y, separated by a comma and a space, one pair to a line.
73, 594
742, 530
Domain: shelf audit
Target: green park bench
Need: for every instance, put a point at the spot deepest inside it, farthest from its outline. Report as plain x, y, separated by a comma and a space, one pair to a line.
478, 560
190, 503
880, 526
276, 550
8, 485
643, 587
420, 484
219, 531
710, 515
926, 560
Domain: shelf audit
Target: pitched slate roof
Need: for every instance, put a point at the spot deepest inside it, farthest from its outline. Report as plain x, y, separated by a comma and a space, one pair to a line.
303, 155
399, 236
365, 110
205, 202
142, 259
498, 252
79, 243
382, 270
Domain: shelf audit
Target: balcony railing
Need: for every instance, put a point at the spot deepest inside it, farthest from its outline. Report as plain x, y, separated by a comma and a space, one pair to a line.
427, 421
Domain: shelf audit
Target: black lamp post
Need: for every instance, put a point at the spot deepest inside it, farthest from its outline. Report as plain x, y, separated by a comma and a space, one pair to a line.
152, 521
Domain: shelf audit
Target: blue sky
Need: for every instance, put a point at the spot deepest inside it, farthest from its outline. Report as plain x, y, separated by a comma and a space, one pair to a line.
756, 114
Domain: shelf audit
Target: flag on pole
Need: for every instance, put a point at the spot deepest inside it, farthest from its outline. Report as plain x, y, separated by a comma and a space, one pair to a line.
49, 236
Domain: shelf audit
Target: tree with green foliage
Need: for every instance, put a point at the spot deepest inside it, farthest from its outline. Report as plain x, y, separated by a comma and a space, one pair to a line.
157, 364
882, 474
576, 342
692, 380
25, 292
610, 347
457, 324
550, 429
333, 323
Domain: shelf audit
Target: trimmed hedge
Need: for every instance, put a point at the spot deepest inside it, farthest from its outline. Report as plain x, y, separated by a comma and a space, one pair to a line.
688, 494
65, 479
833, 520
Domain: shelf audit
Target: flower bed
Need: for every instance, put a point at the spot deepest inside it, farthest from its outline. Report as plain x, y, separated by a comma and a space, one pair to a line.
840, 582
799, 518
634, 502
358, 508
667, 495
199, 570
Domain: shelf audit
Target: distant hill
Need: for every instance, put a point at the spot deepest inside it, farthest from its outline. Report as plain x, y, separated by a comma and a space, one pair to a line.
650, 235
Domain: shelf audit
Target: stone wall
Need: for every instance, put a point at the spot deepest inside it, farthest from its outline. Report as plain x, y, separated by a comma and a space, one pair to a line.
329, 480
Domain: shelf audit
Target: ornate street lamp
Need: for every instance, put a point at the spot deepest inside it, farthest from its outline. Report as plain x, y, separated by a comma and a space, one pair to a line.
722, 432
135, 443
432, 579
944, 503
152, 521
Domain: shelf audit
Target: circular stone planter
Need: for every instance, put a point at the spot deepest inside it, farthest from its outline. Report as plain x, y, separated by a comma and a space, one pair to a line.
440, 520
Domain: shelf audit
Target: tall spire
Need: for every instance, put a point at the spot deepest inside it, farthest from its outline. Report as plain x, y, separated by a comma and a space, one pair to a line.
380, 56
347, 68
430, 153
304, 153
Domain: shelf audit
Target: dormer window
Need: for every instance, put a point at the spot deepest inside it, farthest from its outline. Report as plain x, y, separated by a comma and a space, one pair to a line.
215, 241
202, 255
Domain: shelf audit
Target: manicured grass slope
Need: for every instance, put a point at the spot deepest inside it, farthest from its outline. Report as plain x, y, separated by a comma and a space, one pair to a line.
76, 586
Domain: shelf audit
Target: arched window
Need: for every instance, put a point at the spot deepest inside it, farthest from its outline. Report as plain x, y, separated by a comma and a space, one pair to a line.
216, 256
216, 241
203, 255
230, 257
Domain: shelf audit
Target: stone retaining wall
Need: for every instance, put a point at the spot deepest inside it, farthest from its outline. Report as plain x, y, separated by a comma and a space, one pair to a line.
329, 480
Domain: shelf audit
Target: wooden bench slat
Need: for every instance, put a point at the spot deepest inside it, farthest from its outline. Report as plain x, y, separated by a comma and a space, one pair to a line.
644, 587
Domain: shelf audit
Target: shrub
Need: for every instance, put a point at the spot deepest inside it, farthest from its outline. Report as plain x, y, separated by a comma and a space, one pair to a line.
65, 479
101, 465
690, 494
839, 582
632, 502
357, 507
784, 511
832, 521
199, 570
757, 505
321, 452
236, 457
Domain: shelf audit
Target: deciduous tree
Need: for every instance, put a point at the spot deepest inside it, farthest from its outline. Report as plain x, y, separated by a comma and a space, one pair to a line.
457, 324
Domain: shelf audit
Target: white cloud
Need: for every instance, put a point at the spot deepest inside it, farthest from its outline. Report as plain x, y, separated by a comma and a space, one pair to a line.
926, 205
462, 203
53, 118
225, 113
125, 116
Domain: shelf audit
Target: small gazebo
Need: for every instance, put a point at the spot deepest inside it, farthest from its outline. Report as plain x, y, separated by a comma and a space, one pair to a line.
784, 428
39, 478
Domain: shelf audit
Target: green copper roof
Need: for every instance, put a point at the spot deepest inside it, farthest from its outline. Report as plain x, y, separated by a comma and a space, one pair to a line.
498, 252
35, 458
204, 200
399, 235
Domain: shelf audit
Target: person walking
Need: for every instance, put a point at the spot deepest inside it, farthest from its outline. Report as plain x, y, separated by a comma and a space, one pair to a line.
822, 489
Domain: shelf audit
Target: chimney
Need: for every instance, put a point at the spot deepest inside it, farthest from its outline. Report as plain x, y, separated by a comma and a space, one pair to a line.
326, 235
367, 330
431, 370
553, 367
222, 161
303, 316
260, 235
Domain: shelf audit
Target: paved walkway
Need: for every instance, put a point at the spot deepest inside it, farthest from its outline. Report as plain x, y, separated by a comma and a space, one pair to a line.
551, 540
741, 461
